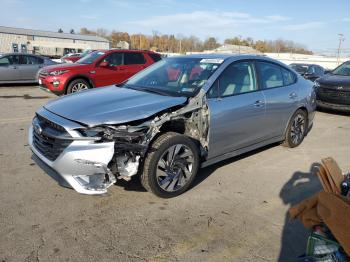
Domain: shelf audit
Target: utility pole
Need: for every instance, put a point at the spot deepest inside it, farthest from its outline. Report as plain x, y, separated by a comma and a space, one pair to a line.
180, 46
341, 39
239, 44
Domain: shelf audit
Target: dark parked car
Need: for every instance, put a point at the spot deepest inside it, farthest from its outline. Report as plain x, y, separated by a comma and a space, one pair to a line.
172, 118
333, 89
97, 69
21, 68
308, 71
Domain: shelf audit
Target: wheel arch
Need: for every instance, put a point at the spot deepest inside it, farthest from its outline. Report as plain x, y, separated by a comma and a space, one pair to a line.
301, 107
75, 77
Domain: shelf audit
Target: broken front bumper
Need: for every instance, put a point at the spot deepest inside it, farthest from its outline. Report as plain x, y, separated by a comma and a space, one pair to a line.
82, 164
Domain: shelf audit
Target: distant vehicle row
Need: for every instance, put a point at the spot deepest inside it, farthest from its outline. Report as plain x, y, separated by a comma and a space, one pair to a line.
21, 68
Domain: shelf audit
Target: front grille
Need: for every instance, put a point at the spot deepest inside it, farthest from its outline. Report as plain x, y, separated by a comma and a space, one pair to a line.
333, 95
51, 139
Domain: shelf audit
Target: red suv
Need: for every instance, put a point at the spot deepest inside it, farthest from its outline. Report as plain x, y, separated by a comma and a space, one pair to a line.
99, 68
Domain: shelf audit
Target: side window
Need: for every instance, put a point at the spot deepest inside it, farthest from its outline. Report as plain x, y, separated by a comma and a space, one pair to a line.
319, 70
311, 70
30, 60
155, 57
237, 78
288, 77
114, 59
4, 61
133, 58
14, 59
270, 75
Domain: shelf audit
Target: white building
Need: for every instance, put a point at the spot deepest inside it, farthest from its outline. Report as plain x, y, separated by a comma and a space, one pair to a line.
47, 43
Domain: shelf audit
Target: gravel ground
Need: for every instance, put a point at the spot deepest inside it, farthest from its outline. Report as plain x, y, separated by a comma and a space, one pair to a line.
236, 211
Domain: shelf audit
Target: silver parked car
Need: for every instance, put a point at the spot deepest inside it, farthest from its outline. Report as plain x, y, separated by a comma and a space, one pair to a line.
21, 68
167, 121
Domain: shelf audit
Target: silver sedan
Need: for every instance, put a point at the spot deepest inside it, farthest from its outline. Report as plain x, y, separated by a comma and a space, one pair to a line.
21, 68
171, 119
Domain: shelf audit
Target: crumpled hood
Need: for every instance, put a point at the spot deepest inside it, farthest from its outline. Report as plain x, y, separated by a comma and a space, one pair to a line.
330, 80
111, 105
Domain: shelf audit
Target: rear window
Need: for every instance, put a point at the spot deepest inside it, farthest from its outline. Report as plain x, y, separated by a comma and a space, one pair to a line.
288, 77
133, 58
155, 57
271, 75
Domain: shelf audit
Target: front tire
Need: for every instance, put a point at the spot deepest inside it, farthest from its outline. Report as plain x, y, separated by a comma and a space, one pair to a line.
171, 165
297, 129
77, 85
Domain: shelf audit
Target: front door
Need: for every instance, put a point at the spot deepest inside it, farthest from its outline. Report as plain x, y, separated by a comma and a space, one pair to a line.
112, 73
237, 110
9, 68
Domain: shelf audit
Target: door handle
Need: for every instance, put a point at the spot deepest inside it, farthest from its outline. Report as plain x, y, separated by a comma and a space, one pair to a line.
259, 103
293, 95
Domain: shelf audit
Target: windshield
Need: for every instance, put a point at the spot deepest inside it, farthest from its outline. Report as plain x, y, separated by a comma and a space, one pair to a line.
175, 76
343, 69
301, 69
90, 58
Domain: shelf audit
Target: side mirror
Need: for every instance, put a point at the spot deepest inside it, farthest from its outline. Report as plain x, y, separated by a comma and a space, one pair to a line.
104, 64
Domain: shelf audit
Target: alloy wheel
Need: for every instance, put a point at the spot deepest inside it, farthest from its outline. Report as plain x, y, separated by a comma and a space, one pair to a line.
79, 87
174, 168
297, 129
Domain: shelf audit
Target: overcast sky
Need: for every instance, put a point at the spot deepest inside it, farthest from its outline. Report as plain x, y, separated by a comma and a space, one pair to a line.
312, 23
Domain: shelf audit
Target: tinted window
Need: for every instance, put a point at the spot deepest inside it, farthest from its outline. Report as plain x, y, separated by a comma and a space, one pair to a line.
31, 60
4, 61
133, 59
288, 77
155, 57
114, 59
270, 75
319, 70
237, 78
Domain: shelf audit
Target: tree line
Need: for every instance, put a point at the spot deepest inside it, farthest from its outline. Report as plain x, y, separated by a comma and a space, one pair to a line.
181, 44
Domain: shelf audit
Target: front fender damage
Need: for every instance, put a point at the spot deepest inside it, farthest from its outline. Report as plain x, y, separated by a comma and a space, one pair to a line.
132, 140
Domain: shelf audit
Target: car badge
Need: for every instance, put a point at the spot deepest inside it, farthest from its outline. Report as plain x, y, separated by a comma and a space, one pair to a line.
37, 128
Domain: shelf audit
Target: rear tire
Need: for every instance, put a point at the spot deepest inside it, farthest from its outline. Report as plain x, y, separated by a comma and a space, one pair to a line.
297, 129
171, 165
78, 85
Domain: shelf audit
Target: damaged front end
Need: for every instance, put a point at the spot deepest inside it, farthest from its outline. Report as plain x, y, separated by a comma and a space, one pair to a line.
132, 140
91, 159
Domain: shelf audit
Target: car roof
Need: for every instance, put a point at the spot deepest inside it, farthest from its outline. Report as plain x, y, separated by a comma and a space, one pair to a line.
5, 54
232, 57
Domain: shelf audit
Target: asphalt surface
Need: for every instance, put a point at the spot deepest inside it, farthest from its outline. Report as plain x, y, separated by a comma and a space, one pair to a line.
236, 211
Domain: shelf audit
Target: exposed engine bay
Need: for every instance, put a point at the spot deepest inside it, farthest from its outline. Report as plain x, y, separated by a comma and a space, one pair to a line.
132, 141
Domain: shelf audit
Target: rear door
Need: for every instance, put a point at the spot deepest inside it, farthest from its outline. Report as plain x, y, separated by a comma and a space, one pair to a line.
236, 108
9, 68
279, 86
29, 66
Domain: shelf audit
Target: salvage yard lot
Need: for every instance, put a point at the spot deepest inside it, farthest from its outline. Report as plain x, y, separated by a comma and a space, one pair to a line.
236, 211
